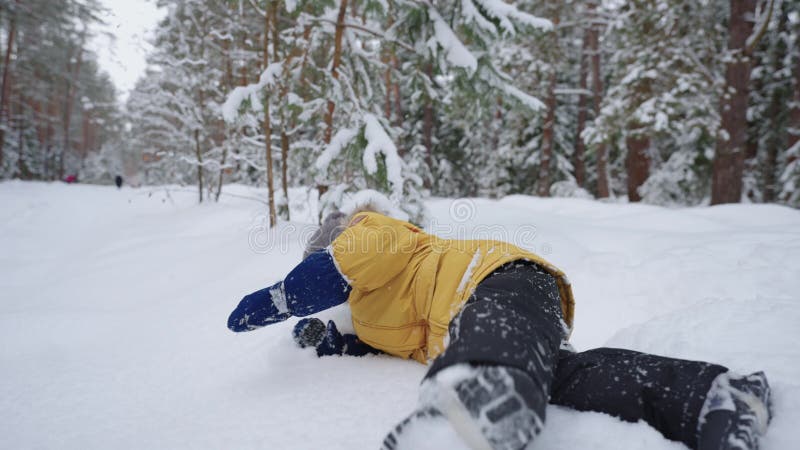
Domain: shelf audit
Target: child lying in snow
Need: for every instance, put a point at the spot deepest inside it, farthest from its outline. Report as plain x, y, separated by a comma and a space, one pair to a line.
493, 322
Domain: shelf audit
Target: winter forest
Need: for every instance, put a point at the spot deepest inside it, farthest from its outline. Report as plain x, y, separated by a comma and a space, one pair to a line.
170, 171
669, 102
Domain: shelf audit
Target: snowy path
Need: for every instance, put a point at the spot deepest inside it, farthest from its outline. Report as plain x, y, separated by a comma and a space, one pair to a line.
113, 308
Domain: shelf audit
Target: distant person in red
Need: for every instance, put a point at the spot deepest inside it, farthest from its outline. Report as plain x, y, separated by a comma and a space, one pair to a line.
71, 179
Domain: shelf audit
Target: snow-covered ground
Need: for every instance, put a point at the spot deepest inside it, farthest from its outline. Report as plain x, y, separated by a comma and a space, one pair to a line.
113, 307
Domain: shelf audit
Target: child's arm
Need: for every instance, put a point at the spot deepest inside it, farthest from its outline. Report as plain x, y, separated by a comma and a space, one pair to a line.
313, 286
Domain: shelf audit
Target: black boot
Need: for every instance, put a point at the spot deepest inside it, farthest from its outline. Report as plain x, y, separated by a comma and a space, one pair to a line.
736, 412
482, 405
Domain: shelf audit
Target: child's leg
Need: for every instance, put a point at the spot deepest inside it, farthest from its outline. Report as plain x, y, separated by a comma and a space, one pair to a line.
666, 393
493, 380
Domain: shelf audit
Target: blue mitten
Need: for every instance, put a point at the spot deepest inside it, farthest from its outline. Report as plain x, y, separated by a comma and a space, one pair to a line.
313, 286
328, 340
259, 309
332, 343
309, 332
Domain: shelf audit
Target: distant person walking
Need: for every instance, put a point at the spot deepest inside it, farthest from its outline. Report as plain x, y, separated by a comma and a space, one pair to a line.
118, 181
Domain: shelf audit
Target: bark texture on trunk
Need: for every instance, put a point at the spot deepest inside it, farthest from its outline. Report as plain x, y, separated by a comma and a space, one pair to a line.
331, 107
273, 217
72, 79
282, 113
398, 107
728, 165
794, 114
86, 143
774, 143
578, 157
22, 168
221, 173
386, 58
637, 143
199, 155
543, 181
427, 127
603, 190
52, 113
285, 169
337, 57
12, 32
637, 164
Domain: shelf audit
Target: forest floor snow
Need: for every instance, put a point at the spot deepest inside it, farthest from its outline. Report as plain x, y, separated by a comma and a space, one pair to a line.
113, 307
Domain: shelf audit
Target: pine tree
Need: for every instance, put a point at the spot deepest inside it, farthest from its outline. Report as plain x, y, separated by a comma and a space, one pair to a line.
770, 85
659, 114
728, 165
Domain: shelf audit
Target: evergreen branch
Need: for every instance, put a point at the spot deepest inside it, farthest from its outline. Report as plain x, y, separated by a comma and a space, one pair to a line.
368, 30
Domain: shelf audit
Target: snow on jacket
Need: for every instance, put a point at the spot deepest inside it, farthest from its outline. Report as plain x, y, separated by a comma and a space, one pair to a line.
403, 285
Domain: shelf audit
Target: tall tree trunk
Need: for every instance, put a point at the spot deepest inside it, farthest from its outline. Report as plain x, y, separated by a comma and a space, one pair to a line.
427, 125
39, 124
72, 80
12, 32
637, 163
386, 58
282, 113
774, 139
753, 135
199, 155
543, 182
548, 128
285, 170
22, 167
303, 84
227, 79
55, 119
637, 143
229, 82
273, 217
387, 81
728, 165
221, 172
52, 114
398, 107
578, 158
794, 113
85, 144
337, 57
603, 190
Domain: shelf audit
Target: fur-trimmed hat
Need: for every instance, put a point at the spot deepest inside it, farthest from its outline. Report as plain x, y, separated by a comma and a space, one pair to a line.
334, 224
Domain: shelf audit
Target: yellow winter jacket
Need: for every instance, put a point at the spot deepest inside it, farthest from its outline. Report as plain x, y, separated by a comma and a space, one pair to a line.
407, 285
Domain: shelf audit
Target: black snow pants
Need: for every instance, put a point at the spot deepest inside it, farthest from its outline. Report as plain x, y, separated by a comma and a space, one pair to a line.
514, 319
